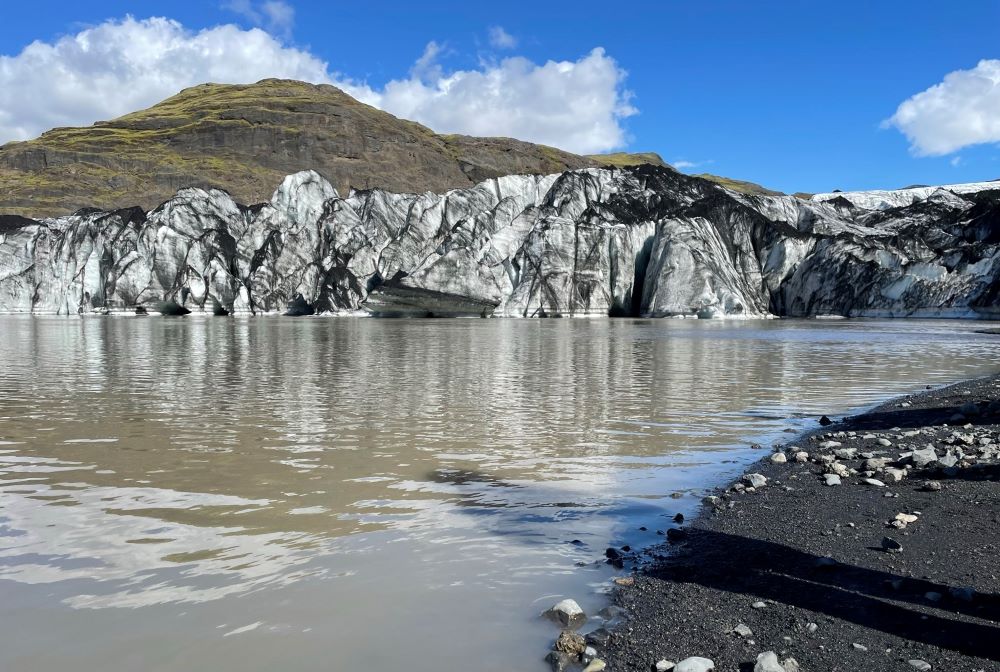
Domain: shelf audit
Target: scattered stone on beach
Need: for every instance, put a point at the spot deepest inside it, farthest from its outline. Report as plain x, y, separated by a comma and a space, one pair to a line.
558, 661
743, 631
845, 453
598, 637
832, 479
759, 605
906, 518
801, 457
895, 475
755, 480
890, 545
882, 441
924, 457
624, 580
596, 665
768, 662
931, 486
567, 613
679, 518
859, 647
589, 653
610, 612
874, 482
921, 665
811, 627
875, 463
790, 665
779, 458
664, 666
825, 421
570, 642
694, 664
829, 445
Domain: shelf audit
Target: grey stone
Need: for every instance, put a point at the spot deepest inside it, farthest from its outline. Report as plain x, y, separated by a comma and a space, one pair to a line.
768, 662
859, 647
779, 458
558, 661
924, 457
567, 613
874, 482
695, 664
832, 479
921, 665
890, 545
755, 480
664, 665
743, 631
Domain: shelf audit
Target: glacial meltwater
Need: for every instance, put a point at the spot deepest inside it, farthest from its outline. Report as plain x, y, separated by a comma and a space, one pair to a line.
360, 494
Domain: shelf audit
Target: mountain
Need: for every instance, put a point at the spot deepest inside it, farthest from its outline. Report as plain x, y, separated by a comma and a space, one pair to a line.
640, 241
245, 139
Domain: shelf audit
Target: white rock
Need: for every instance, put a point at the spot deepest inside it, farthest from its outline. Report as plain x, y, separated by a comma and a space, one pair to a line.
695, 664
779, 458
664, 665
768, 662
832, 479
567, 613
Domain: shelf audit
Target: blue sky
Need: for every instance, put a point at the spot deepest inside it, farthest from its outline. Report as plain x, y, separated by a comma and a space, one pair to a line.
791, 95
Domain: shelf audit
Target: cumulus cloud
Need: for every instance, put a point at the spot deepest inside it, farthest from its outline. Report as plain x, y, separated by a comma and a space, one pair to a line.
684, 164
501, 39
962, 110
575, 105
274, 15
123, 65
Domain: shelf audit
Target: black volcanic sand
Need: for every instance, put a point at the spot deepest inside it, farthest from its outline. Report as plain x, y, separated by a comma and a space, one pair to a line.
872, 609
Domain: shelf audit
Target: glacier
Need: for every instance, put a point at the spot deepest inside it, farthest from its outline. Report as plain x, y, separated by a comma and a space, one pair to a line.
639, 241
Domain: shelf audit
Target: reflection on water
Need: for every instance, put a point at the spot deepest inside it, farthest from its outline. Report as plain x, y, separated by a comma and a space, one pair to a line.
327, 493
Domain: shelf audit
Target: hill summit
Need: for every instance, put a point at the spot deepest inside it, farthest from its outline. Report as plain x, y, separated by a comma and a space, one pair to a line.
245, 138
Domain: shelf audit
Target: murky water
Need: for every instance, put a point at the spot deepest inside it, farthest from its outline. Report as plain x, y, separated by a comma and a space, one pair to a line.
333, 494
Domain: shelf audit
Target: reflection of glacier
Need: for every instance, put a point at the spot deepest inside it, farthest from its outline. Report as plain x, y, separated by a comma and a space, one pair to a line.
597, 242
114, 537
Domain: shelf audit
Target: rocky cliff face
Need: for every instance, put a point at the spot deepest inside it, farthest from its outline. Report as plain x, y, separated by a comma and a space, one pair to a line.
592, 242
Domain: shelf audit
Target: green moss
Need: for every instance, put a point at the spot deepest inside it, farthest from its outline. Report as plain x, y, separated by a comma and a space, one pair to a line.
625, 159
740, 185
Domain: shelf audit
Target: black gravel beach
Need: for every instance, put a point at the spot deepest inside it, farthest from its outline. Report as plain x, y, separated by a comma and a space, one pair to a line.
872, 544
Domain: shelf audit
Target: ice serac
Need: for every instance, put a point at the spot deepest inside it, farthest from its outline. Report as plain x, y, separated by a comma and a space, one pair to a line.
638, 241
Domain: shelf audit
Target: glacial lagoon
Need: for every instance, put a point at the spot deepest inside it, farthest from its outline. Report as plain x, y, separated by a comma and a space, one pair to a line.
346, 493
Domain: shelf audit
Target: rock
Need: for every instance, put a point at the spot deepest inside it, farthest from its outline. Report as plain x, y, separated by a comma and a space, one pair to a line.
743, 631
679, 518
596, 665
768, 662
558, 661
921, 665
812, 627
894, 475
624, 581
845, 453
832, 479
923, 457
906, 518
755, 480
883, 442
759, 605
695, 664
890, 545
829, 445
664, 666
859, 647
610, 612
801, 457
931, 486
779, 458
589, 653
598, 638
570, 642
873, 482
875, 463
567, 613
825, 421
790, 665
948, 460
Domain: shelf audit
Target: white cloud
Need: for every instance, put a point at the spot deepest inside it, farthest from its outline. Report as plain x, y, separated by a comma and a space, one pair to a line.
575, 105
956, 162
275, 16
121, 66
501, 39
683, 164
124, 65
962, 110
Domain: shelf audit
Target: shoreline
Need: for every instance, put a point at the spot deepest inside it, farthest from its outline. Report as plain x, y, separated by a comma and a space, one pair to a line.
810, 572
